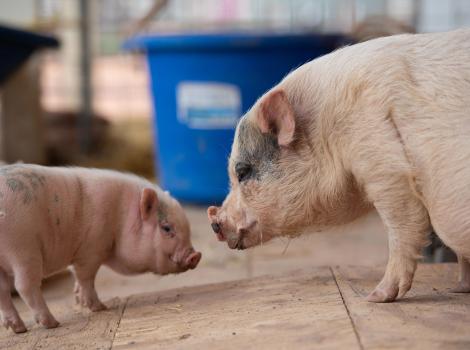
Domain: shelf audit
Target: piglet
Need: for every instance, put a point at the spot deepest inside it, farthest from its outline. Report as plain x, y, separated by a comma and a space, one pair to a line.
51, 218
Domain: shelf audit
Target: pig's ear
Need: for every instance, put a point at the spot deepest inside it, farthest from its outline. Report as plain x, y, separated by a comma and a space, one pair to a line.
276, 116
148, 203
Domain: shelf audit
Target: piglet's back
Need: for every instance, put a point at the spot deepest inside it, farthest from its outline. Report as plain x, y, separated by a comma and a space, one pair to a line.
56, 210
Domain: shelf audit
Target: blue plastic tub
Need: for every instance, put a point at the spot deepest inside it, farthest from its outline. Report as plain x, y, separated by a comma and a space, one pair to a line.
201, 86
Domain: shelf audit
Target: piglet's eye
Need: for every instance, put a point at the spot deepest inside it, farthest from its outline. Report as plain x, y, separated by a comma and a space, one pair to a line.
243, 171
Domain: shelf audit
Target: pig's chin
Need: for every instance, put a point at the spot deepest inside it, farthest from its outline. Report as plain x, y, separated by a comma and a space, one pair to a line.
248, 241
170, 269
166, 266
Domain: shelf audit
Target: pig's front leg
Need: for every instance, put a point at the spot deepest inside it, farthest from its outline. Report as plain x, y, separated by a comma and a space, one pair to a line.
28, 280
85, 292
407, 223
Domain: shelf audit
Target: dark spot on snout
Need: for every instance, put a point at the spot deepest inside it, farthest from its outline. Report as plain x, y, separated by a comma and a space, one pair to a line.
215, 227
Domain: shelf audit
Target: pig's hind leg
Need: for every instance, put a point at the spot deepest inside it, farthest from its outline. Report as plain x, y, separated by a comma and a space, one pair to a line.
85, 292
10, 316
28, 280
464, 276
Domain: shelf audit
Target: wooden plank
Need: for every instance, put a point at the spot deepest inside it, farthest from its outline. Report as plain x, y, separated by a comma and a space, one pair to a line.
302, 310
79, 329
429, 317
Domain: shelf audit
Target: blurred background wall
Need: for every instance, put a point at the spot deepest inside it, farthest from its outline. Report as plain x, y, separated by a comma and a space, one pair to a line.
110, 90
120, 82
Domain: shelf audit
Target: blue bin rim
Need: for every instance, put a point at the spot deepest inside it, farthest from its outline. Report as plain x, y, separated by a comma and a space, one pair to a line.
235, 41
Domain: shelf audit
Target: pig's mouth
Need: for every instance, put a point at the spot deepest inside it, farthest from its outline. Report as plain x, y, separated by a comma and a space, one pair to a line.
177, 266
235, 241
237, 238
236, 244
187, 261
242, 240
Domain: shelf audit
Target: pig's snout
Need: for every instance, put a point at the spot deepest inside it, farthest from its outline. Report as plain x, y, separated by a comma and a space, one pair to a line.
192, 260
215, 224
212, 213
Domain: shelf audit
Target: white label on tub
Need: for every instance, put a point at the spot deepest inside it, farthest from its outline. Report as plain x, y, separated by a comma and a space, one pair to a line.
210, 105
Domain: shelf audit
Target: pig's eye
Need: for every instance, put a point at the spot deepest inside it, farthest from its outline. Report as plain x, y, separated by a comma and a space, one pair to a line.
167, 230
243, 171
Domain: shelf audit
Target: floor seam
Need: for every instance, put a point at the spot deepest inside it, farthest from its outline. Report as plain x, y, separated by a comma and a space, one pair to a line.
358, 337
119, 322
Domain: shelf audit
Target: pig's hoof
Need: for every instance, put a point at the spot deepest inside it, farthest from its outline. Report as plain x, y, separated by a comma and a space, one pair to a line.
98, 306
383, 295
51, 324
48, 322
90, 303
461, 288
19, 328
16, 326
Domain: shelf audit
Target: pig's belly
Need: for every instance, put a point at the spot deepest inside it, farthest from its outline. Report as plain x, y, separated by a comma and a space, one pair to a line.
445, 178
52, 266
31, 240
58, 253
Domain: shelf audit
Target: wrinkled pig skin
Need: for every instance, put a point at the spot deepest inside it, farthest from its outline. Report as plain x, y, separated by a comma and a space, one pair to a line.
383, 124
51, 218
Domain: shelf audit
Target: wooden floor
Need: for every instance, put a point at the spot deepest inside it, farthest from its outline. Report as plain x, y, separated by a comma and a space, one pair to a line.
319, 308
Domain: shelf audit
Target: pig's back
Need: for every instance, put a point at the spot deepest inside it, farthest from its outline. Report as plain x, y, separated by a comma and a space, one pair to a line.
425, 80
37, 217
432, 114
419, 84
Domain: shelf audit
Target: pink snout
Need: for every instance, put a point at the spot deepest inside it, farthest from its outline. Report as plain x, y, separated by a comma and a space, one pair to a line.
192, 260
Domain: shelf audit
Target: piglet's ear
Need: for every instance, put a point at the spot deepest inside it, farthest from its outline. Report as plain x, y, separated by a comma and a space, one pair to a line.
148, 203
275, 115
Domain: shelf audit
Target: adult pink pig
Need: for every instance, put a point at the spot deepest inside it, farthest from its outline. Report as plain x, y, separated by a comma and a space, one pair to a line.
384, 124
51, 218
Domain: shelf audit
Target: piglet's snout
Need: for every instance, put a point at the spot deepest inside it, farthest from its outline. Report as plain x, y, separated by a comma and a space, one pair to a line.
192, 260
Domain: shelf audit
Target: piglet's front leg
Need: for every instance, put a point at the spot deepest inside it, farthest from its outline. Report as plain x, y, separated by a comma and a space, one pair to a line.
85, 292
407, 223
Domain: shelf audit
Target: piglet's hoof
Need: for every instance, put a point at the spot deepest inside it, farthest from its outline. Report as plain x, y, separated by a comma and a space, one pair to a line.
47, 321
16, 326
91, 303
